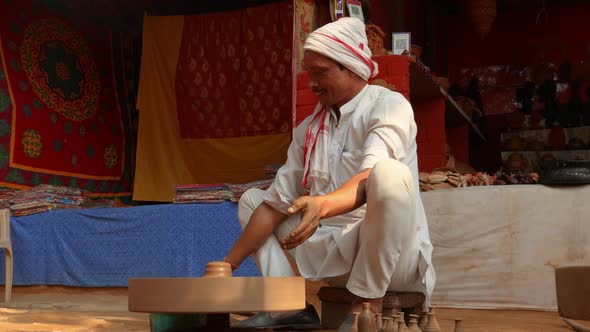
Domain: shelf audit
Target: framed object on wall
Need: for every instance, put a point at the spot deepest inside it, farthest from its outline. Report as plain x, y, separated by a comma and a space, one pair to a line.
336, 9
355, 9
401, 42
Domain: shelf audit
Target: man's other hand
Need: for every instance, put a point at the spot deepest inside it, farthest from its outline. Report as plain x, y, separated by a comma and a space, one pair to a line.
310, 220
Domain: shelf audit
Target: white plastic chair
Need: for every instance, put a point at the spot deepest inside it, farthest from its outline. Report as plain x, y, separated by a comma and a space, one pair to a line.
5, 243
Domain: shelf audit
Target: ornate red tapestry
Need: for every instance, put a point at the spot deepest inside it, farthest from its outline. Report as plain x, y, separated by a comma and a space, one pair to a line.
233, 71
61, 120
69, 121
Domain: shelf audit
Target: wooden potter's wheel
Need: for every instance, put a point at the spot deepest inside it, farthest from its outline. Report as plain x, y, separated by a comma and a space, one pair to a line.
216, 293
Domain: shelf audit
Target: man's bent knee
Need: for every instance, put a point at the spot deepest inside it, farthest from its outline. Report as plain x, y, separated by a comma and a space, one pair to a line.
387, 178
249, 201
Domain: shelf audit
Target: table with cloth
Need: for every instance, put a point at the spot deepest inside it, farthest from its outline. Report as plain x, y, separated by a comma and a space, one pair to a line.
106, 247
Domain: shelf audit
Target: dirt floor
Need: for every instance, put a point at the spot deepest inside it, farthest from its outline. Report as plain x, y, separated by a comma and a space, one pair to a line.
42, 308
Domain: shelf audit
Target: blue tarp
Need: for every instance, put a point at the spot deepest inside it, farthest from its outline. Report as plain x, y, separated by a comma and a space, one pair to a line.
106, 247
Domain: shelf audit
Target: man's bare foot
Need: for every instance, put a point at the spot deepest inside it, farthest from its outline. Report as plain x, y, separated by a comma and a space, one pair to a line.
376, 304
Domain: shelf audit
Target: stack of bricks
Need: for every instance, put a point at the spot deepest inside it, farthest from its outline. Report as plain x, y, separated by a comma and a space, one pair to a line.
428, 113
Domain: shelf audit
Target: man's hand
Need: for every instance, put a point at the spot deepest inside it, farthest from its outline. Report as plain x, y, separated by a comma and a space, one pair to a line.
342, 200
310, 220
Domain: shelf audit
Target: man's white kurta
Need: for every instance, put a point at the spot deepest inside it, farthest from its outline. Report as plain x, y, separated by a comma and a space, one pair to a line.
376, 124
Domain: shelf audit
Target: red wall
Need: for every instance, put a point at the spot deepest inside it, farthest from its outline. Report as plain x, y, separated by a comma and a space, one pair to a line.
430, 118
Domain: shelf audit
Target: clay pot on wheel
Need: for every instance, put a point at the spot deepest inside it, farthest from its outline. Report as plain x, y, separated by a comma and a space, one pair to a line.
217, 270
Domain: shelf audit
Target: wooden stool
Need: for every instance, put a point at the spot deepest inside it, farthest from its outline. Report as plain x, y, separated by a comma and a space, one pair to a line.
336, 301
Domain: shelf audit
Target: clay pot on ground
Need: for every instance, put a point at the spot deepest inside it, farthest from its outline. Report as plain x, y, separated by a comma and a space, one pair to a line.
366, 321
432, 324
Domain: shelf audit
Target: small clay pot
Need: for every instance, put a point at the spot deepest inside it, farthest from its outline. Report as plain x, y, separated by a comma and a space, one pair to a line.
217, 270
516, 162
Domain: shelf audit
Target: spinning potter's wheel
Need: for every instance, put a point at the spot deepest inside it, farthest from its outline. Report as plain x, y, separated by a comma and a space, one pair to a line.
217, 292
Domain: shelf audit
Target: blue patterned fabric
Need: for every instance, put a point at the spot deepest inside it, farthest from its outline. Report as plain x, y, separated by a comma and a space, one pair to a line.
106, 247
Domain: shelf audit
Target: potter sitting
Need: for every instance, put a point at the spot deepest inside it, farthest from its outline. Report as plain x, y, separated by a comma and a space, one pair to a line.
346, 205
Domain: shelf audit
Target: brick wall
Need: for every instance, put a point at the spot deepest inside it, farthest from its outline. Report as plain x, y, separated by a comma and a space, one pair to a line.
430, 119
429, 114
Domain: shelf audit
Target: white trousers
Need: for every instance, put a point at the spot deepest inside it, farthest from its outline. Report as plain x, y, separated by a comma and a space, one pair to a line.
387, 252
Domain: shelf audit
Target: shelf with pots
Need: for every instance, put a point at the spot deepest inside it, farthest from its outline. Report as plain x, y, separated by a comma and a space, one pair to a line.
529, 148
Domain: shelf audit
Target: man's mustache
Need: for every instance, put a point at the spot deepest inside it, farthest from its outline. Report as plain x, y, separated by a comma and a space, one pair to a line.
317, 90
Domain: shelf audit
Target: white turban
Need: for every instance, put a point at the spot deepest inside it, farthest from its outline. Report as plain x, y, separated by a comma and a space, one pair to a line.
345, 42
